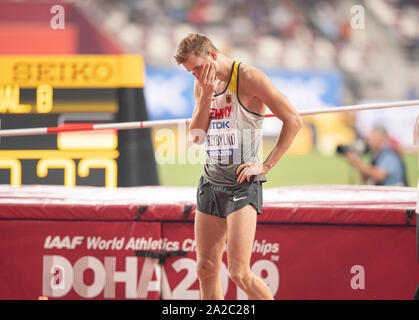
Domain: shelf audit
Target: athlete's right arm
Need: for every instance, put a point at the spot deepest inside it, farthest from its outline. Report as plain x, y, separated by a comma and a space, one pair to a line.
203, 91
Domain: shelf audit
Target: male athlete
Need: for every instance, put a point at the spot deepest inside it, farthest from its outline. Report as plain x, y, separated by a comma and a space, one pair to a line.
231, 99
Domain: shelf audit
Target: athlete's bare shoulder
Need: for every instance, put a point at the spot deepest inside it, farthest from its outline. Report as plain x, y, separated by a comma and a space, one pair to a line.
247, 71
251, 76
256, 88
253, 84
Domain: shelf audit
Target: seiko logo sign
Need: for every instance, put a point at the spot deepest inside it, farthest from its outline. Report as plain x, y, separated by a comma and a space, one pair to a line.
93, 71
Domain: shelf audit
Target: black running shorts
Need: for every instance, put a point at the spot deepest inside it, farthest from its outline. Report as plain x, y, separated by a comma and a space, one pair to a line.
220, 201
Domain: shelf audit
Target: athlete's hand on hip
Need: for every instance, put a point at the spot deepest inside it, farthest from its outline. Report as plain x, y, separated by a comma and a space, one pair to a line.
206, 78
246, 170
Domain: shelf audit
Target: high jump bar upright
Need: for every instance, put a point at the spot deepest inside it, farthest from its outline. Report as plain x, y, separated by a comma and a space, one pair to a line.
172, 122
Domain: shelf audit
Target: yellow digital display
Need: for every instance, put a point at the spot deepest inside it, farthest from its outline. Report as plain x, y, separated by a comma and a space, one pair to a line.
44, 98
52, 91
10, 100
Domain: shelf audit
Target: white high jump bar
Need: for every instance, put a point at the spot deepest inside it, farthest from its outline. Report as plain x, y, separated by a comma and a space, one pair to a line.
167, 123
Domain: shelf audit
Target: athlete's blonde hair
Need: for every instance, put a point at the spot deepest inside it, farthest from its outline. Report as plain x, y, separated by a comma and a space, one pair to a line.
196, 43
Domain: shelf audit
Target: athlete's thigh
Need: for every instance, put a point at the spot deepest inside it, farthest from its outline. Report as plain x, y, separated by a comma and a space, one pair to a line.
241, 228
210, 236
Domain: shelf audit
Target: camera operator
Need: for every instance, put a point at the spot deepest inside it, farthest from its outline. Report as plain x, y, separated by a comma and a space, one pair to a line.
386, 168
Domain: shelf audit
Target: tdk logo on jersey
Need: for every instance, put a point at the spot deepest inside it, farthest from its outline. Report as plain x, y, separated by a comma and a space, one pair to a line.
220, 124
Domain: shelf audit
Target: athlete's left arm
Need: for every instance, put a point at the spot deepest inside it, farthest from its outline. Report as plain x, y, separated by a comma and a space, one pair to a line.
257, 82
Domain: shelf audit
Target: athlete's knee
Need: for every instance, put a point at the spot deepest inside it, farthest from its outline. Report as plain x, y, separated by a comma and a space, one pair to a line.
207, 269
240, 275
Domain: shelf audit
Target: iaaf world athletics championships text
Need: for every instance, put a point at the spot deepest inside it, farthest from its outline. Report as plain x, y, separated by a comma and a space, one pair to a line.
139, 243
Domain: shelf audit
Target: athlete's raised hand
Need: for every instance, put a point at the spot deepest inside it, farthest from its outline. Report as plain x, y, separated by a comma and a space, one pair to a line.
206, 78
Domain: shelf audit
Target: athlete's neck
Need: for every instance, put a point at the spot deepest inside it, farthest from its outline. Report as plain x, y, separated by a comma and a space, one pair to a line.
224, 68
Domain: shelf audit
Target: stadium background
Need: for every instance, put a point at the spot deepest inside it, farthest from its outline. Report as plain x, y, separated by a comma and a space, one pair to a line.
308, 48
312, 242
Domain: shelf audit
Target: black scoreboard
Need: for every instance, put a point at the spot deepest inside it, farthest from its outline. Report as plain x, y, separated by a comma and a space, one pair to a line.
50, 91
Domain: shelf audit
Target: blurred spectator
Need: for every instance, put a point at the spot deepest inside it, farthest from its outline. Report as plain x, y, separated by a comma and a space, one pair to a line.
289, 34
243, 20
282, 31
387, 167
402, 19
